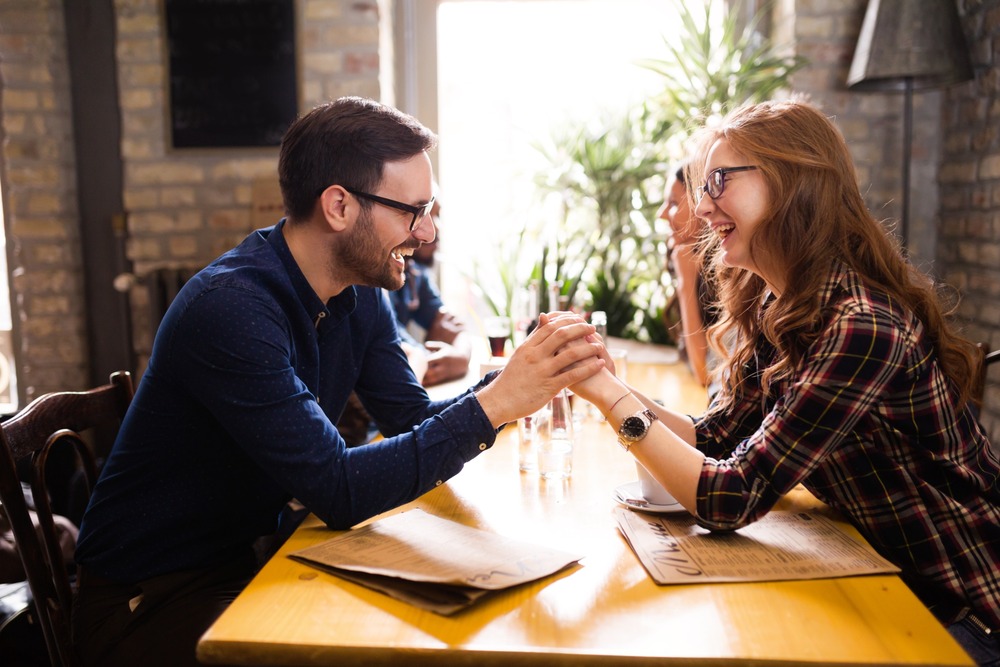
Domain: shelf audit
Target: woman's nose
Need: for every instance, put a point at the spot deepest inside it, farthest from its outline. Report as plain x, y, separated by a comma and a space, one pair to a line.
705, 206
664, 212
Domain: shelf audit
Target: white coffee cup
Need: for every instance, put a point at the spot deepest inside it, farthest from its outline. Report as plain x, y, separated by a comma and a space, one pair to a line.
651, 490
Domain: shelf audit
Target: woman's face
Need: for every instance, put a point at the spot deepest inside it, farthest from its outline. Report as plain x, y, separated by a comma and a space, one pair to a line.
735, 215
677, 212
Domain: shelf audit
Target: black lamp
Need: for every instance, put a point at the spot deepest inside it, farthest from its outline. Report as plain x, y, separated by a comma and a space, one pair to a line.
908, 45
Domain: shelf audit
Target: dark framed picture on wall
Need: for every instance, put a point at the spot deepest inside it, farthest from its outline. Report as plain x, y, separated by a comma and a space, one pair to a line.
232, 72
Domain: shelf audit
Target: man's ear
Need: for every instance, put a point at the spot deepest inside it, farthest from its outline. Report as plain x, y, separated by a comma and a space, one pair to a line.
333, 205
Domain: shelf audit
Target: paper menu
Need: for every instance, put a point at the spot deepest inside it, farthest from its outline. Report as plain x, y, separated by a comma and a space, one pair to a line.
780, 546
432, 562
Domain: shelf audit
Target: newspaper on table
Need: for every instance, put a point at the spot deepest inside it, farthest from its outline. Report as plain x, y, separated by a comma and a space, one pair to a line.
431, 562
781, 546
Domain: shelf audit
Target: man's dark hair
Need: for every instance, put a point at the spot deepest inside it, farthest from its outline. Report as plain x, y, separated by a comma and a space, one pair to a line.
346, 143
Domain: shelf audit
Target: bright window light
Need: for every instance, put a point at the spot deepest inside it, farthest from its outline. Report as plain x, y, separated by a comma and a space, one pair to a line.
509, 72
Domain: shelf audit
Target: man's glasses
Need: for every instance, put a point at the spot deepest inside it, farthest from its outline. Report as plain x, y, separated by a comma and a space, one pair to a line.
715, 185
418, 212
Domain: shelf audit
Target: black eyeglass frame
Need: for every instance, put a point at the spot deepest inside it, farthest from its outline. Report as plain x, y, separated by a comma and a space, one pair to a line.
418, 212
722, 172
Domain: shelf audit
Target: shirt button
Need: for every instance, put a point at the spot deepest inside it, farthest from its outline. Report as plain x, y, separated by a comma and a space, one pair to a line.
438, 483
482, 446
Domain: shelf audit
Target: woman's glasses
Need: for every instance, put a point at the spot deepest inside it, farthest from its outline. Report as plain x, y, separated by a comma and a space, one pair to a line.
715, 184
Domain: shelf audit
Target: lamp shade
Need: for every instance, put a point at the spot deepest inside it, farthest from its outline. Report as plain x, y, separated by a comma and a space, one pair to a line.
915, 43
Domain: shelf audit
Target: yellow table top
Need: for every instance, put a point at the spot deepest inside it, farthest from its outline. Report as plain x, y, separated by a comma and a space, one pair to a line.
604, 611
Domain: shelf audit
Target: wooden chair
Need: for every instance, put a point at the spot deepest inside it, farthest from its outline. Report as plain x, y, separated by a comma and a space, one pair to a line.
988, 359
55, 419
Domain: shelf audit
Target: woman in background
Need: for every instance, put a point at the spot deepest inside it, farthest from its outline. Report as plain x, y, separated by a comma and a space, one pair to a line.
840, 372
694, 294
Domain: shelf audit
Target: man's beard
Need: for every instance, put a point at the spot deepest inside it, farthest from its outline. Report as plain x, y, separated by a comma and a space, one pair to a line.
363, 257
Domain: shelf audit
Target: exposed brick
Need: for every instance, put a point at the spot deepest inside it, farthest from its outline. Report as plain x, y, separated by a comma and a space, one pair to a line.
955, 172
989, 167
321, 10
182, 246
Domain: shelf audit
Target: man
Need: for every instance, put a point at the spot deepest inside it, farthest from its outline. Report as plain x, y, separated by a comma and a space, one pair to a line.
250, 369
445, 346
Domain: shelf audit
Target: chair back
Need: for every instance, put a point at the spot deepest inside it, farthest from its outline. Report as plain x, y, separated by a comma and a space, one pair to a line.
987, 359
54, 419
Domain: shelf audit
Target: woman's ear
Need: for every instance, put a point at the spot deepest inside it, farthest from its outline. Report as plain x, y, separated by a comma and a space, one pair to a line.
333, 204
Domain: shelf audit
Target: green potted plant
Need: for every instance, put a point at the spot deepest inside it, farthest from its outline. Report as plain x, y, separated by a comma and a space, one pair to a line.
608, 176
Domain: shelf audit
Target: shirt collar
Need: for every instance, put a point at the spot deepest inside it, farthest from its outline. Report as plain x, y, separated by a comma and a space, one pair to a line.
307, 295
841, 279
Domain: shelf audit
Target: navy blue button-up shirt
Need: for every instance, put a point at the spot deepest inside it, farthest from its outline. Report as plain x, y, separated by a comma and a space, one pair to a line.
236, 415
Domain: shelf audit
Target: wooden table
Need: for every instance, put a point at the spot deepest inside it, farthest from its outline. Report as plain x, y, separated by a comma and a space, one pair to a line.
604, 611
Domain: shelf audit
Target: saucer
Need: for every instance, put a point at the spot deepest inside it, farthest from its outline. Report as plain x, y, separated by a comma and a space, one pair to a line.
630, 496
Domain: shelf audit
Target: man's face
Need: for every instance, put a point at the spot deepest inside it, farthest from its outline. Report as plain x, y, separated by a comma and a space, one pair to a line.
375, 249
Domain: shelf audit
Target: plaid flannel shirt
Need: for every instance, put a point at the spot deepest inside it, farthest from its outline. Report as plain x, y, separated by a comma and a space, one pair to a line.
869, 424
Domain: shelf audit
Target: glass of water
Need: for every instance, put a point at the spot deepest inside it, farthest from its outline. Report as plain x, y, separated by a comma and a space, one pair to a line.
555, 439
527, 440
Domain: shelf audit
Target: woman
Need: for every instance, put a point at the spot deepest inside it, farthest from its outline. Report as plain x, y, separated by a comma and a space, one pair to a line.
840, 373
694, 294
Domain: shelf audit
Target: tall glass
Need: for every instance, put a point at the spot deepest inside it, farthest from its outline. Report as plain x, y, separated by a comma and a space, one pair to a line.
527, 440
555, 442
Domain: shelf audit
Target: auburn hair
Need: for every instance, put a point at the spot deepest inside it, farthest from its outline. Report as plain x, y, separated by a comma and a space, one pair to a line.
815, 218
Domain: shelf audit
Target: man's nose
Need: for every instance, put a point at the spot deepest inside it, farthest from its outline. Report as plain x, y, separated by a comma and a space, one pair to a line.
426, 230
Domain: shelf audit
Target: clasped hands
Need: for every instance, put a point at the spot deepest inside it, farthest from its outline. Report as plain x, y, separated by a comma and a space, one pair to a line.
563, 351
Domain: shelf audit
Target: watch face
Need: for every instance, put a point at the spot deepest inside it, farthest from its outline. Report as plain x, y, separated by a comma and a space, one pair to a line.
633, 427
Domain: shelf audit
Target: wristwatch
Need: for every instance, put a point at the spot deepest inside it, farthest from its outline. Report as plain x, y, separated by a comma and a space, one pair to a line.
635, 427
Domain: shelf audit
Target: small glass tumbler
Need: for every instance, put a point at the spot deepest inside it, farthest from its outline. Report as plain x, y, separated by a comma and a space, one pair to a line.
555, 442
497, 331
527, 441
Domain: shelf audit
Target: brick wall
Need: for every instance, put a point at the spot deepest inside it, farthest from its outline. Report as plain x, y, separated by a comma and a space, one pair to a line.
954, 226
186, 207
969, 225
37, 170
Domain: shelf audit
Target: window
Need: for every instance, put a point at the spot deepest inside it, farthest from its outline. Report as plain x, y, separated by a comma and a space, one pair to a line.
508, 73
8, 383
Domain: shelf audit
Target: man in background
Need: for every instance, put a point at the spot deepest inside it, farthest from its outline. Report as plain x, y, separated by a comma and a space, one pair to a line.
421, 313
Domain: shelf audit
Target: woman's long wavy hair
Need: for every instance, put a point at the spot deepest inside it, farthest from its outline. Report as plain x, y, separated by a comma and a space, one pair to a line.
815, 218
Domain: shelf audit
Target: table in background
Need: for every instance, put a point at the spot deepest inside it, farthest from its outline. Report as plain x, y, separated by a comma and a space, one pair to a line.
604, 611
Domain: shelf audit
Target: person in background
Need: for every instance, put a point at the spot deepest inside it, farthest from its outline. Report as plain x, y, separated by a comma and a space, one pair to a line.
250, 369
445, 352
694, 294
842, 374
418, 303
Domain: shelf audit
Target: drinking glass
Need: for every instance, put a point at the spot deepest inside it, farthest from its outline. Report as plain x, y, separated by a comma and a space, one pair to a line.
527, 440
555, 441
497, 331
